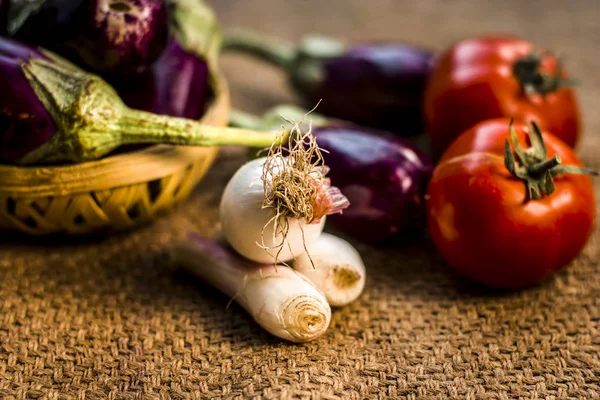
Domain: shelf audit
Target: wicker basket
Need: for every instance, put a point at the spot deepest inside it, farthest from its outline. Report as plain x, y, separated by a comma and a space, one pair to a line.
112, 194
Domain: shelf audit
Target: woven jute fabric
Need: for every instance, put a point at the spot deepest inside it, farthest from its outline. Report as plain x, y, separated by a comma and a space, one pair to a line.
112, 318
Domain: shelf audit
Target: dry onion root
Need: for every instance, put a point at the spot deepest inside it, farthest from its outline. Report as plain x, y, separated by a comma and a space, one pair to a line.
338, 269
274, 207
282, 301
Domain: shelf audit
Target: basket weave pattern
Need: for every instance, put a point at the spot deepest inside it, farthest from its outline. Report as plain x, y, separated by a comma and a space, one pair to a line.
112, 194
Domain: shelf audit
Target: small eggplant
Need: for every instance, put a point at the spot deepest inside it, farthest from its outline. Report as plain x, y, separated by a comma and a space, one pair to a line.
383, 176
88, 119
179, 83
182, 82
378, 85
176, 85
109, 37
24, 122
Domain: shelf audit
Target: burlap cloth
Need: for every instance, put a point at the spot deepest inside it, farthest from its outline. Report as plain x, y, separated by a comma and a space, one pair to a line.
110, 318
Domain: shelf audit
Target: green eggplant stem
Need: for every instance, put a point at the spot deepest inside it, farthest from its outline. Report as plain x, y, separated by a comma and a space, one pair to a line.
196, 28
143, 127
276, 117
242, 119
279, 54
92, 120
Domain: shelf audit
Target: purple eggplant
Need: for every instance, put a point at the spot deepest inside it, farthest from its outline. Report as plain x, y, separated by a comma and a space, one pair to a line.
53, 111
378, 85
109, 37
177, 85
383, 176
24, 122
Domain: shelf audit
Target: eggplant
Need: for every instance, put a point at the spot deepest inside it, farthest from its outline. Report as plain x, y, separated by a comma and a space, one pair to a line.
181, 82
177, 85
378, 85
108, 37
88, 119
25, 124
383, 176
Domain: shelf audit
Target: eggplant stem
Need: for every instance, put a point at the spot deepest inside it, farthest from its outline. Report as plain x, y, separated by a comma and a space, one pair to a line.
142, 127
279, 54
242, 119
92, 120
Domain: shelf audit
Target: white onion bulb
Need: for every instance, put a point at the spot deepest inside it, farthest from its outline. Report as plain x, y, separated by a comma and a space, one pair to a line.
243, 220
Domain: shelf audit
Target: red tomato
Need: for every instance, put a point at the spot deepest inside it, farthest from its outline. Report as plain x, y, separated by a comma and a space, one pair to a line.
476, 80
483, 222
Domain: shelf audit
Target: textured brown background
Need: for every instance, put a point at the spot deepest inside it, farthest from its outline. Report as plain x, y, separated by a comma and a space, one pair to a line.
110, 318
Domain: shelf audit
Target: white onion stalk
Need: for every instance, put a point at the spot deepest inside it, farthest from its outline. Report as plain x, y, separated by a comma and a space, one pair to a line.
282, 301
338, 271
275, 206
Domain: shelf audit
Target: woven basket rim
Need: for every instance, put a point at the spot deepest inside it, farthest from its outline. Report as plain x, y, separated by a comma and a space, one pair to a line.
154, 162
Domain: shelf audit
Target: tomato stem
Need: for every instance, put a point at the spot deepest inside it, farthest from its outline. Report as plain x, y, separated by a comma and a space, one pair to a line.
533, 166
533, 80
545, 166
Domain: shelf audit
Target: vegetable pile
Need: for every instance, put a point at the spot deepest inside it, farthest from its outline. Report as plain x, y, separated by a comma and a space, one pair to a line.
498, 187
384, 176
66, 105
273, 212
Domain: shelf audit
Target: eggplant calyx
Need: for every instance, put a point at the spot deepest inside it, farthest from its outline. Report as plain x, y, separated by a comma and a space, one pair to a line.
196, 28
279, 53
533, 166
533, 80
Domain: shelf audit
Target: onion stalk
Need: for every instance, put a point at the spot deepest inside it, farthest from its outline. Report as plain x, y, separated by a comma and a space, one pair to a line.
281, 300
336, 269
